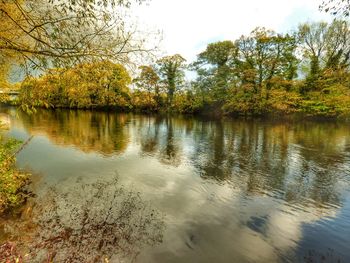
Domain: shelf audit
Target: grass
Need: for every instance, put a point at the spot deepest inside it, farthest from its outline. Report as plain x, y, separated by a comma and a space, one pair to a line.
12, 181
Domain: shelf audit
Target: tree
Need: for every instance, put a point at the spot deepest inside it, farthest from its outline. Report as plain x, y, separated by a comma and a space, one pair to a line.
325, 47
336, 7
312, 38
97, 84
171, 71
57, 32
213, 66
263, 57
148, 81
114, 79
4, 69
244, 72
217, 54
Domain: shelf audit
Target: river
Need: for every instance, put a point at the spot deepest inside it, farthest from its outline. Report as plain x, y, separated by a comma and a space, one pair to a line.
218, 191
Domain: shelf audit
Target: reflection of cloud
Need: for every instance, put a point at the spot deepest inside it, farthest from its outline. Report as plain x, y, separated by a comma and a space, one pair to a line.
216, 221
239, 189
224, 230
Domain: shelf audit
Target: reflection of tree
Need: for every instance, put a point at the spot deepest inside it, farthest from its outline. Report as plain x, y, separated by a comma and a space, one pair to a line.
150, 134
169, 153
213, 164
90, 223
158, 138
299, 162
296, 161
87, 130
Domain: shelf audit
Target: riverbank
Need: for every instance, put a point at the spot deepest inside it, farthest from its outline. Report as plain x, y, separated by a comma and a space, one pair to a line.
209, 114
13, 182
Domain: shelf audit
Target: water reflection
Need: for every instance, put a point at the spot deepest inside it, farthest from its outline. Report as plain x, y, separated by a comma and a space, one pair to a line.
264, 157
158, 138
301, 161
97, 222
243, 191
86, 130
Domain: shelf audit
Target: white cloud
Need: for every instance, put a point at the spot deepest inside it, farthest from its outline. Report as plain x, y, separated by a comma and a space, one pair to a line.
188, 25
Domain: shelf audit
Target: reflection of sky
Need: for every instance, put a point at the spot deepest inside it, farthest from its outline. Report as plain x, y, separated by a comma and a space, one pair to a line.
320, 237
207, 220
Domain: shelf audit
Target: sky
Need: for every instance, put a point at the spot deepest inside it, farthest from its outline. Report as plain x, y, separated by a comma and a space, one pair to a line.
189, 25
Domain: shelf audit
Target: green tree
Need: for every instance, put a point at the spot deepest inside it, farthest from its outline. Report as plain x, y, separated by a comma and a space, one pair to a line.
171, 70
326, 47
213, 68
312, 39
264, 56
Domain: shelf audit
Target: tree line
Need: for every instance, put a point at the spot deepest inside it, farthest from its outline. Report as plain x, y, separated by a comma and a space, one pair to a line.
305, 71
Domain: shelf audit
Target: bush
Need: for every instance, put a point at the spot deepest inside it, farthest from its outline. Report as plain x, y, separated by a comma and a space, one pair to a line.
12, 181
88, 85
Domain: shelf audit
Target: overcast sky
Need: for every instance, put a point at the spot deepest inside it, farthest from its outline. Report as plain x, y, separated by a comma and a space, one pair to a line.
189, 25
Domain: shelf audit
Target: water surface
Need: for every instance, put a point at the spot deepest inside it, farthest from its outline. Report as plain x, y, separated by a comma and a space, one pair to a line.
228, 190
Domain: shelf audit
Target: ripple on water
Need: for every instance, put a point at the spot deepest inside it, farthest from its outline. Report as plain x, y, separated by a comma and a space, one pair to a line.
244, 191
